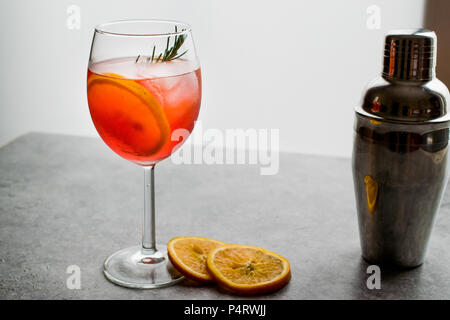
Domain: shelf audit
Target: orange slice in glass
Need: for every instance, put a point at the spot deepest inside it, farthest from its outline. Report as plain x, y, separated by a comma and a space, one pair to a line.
128, 113
247, 269
189, 254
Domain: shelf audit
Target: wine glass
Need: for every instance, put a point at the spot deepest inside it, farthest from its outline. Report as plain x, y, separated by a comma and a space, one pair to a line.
144, 93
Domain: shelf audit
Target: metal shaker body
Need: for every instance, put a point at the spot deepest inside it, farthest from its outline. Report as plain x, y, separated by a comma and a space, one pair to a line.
400, 167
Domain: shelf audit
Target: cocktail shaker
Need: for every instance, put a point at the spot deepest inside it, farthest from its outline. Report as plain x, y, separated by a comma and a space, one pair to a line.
400, 152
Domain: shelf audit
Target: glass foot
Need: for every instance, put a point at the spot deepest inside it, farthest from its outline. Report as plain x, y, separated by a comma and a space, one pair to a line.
134, 268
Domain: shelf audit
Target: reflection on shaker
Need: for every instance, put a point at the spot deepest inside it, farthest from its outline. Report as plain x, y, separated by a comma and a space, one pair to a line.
371, 192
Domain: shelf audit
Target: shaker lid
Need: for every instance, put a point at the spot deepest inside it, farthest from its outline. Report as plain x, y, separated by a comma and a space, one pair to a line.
410, 55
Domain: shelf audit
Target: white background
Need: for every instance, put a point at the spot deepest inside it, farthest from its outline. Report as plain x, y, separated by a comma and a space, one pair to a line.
300, 66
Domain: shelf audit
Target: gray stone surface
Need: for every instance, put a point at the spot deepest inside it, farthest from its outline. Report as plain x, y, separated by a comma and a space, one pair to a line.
71, 201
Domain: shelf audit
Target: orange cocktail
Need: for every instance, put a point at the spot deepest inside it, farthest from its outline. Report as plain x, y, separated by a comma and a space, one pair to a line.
144, 92
136, 106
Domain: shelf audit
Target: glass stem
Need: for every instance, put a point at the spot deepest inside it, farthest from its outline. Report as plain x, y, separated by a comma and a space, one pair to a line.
148, 221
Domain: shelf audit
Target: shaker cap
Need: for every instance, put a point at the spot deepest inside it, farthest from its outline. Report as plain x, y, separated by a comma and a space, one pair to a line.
410, 55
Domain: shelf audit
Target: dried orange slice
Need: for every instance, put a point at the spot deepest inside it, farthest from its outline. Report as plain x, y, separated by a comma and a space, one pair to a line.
247, 269
371, 192
127, 113
188, 255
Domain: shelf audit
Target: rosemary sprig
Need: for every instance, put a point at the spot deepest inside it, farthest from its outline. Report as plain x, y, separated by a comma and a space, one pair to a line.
169, 53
